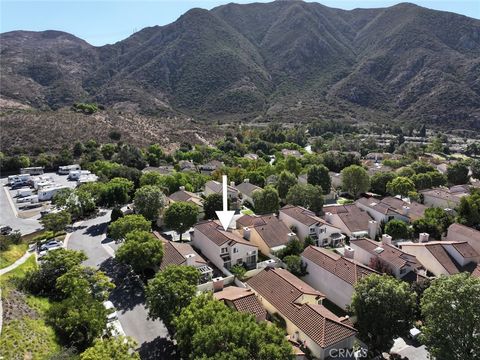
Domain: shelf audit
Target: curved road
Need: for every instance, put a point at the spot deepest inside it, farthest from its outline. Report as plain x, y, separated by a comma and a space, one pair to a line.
128, 296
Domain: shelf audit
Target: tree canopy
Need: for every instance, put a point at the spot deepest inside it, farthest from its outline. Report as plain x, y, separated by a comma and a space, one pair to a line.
306, 195
266, 200
318, 175
181, 216
401, 186
457, 174
112, 348
56, 221
355, 180
148, 201
121, 227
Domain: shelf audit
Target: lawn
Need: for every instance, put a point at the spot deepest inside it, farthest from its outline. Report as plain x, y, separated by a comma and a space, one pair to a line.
25, 333
11, 255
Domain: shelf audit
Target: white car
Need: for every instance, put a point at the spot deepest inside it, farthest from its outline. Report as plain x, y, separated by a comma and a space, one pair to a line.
114, 328
51, 245
112, 312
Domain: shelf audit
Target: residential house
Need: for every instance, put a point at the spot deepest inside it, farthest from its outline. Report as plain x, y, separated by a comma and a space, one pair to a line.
186, 165
332, 274
211, 166
246, 189
307, 321
443, 257
223, 248
267, 232
382, 212
443, 197
412, 209
176, 253
399, 262
215, 187
352, 221
187, 196
305, 223
294, 153
243, 300
459, 232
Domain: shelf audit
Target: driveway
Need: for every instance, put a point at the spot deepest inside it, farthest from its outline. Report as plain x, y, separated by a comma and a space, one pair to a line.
128, 296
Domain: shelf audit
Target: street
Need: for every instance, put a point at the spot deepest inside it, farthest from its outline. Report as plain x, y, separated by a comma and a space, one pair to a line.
128, 296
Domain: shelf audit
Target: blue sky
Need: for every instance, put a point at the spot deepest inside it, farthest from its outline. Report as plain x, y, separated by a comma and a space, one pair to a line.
108, 21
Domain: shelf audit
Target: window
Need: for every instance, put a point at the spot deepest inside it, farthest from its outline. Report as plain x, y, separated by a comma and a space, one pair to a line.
235, 250
224, 250
403, 271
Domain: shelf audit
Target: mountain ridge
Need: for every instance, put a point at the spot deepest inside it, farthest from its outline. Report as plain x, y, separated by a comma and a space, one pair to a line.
283, 60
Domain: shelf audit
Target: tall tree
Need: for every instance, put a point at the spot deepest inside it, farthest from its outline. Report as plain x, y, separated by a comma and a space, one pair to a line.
306, 195
384, 307
212, 203
284, 182
141, 250
208, 329
452, 320
401, 186
80, 281
170, 291
148, 201
180, 216
56, 221
111, 348
318, 175
379, 181
355, 180
121, 227
397, 229
266, 201
457, 174
469, 209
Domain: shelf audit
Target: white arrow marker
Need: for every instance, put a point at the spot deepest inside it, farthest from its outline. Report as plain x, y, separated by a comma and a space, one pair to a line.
225, 216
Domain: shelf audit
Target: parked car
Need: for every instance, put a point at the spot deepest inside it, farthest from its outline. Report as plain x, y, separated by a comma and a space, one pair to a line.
5, 229
53, 244
112, 312
19, 184
115, 329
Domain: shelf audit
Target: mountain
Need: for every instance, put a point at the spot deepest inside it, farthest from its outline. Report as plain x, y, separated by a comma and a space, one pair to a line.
287, 60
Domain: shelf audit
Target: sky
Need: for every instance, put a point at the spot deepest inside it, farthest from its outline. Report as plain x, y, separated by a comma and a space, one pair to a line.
108, 21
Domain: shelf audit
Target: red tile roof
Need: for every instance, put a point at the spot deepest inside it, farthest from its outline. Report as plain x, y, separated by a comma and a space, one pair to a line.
272, 230
465, 249
282, 290
476, 272
354, 218
345, 269
302, 215
214, 231
174, 254
243, 300
390, 254
442, 256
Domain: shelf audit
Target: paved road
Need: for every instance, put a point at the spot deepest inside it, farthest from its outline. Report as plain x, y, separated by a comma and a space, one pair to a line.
8, 217
128, 296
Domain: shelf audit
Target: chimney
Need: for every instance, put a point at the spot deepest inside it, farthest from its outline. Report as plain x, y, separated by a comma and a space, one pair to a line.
405, 210
246, 180
217, 284
291, 236
328, 217
246, 233
232, 183
190, 259
423, 237
372, 229
349, 252
386, 239
182, 188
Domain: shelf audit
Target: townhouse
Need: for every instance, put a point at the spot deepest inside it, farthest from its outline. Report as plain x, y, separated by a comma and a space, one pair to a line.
246, 190
242, 300
459, 232
351, 220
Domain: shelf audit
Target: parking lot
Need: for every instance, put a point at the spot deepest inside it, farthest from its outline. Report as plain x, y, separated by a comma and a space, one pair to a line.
27, 221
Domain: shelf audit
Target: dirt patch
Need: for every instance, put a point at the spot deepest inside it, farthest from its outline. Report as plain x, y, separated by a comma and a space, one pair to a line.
15, 307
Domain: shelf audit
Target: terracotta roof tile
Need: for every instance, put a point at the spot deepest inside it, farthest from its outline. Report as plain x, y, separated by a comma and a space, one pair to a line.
214, 231
174, 254
345, 269
283, 290
302, 215
354, 218
465, 249
463, 230
244, 300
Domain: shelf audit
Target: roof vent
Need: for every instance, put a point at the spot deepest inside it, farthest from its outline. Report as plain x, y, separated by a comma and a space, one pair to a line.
378, 250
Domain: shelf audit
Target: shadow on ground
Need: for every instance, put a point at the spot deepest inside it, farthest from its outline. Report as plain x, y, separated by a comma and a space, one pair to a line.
95, 230
158, 349
128, 291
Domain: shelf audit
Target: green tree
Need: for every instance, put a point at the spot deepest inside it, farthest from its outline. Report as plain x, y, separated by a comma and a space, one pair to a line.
170, 291
239, 271
292, 165
355, 180
148, 201
56, 221
180, 216
112, 348
306, 195
452, 320
457, 174
397, 229
293, 247
284, 182
151, 178
212, 203
437, 178
256, 178
121, 227
266, 201
469, 209
379, 181
318, 175
141, 250
475, 168
400, 186
406, 171
435, 222
78, 322
378, 321
295, 265
116, 214
116, 192
422, 181
54, 264
130, 156
208, 329
421, 167
81, 281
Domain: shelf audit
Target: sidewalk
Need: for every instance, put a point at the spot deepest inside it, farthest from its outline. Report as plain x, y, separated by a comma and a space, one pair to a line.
16, 263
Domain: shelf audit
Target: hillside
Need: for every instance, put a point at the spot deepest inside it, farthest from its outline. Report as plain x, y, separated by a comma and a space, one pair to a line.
286, 60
